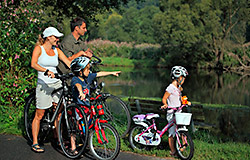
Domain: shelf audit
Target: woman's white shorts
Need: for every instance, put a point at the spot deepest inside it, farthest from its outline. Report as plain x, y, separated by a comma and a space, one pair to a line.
44, 98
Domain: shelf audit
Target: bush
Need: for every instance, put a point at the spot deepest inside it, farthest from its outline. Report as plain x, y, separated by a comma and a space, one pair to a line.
20, 24
125, 50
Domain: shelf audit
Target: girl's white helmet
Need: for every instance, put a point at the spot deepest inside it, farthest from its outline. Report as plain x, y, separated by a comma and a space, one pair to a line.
178, 71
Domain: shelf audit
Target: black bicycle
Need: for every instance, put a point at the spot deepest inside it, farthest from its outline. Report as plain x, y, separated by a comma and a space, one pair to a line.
71, 126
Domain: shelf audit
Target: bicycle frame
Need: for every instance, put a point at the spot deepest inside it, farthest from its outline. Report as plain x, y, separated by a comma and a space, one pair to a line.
94, 120
62, 100
165, 129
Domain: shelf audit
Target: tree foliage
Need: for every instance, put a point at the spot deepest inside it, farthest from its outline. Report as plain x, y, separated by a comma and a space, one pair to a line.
83, 8
199, 29
130, 25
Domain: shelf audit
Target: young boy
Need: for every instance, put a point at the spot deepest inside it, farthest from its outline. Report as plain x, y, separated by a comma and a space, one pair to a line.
172, 99
83, 78
81, 83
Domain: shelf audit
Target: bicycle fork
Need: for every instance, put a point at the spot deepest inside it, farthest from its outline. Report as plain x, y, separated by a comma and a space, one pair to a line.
184, 139
101, 137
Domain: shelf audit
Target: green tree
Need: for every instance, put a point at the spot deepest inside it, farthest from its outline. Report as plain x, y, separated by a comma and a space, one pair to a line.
180, 32
146, 25
84, 8
198, 29
113, 29
130, 23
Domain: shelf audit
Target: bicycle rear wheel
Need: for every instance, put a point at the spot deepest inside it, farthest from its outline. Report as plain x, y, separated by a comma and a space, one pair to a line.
29, 114
118, 114
135, 131
73, 131
109, 148
185, 146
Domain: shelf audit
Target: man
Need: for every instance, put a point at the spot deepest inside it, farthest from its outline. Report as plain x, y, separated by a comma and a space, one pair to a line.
73, 45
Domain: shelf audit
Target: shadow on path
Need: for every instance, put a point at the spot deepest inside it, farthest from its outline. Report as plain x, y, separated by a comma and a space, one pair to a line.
16, 147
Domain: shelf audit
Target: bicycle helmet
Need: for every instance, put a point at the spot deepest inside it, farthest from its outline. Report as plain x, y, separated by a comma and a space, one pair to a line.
178, 71
78, 64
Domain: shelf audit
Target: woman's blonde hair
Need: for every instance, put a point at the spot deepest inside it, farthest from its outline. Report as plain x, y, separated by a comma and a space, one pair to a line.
40, 40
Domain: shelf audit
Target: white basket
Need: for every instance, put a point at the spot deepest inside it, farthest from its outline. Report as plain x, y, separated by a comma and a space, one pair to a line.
183, 118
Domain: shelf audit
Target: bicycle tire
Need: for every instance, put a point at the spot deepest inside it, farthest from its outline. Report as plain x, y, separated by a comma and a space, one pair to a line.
188, 152
29, 114
118, 114
133, 132
76, 131
108, 150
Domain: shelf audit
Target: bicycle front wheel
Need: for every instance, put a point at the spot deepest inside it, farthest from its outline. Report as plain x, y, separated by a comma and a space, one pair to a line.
108, 145
118, 114
73, 131
184, 145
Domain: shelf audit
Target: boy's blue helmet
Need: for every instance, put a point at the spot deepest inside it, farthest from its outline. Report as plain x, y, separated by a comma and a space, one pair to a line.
79, 63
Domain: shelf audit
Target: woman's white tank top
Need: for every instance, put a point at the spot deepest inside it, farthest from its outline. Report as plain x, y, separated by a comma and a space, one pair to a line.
48, 62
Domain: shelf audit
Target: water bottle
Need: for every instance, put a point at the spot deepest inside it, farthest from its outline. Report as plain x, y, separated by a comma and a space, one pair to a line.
93, 110
100, 109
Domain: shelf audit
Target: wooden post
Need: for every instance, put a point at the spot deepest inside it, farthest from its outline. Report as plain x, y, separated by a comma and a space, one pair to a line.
192, 122
138, 106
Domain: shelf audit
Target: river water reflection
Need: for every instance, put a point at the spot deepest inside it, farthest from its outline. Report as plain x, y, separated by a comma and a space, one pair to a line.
200, 86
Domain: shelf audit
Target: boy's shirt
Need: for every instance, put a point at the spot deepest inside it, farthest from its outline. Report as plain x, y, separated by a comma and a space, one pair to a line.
85, 88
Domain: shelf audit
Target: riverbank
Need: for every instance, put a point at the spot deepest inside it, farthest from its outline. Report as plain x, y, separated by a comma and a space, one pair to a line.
126, 62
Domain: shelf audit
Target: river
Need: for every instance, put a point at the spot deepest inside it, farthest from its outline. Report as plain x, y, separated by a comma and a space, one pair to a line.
204, 86
200, 86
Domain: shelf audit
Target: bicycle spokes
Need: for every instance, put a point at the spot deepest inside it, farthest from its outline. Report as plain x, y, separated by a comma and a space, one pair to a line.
184, 145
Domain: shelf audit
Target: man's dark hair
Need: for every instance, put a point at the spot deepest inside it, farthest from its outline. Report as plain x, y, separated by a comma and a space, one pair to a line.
76, 22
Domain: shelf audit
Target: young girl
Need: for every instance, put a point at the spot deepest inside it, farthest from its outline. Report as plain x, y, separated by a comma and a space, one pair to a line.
172, 99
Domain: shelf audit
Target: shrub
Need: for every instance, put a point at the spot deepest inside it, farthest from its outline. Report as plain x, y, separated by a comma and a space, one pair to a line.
20, 23
126, 50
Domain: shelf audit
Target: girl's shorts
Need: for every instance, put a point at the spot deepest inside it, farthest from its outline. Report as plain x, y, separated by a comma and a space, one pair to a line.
44, 98
170, 117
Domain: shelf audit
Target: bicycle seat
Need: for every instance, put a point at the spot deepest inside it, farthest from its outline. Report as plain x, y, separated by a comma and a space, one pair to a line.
139, 118
152, 115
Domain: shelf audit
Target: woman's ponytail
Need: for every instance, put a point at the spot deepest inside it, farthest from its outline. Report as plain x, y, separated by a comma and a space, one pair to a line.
40, 40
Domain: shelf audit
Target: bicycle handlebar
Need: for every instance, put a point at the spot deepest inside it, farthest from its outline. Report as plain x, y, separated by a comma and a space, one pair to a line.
61, 76
94, 62
176, 108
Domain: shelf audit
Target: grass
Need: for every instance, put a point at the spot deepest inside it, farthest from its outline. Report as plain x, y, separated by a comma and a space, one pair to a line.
119, 61
227, 150
205, 149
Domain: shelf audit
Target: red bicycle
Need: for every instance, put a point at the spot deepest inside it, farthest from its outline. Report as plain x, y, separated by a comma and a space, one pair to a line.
104, 140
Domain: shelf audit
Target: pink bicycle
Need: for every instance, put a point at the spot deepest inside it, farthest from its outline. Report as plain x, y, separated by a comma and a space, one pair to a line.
145, 133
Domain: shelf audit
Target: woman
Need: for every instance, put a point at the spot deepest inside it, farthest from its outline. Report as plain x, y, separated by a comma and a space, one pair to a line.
45, 60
